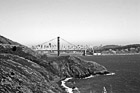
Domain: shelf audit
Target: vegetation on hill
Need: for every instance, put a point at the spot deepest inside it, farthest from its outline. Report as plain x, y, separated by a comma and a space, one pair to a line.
23, 70
4, 40
115, 49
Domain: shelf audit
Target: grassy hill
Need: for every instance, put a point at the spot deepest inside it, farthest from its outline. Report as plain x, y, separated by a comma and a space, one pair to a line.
23, 70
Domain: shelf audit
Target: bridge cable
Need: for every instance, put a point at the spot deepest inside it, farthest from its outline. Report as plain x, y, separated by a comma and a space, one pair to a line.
68, 42
47, 41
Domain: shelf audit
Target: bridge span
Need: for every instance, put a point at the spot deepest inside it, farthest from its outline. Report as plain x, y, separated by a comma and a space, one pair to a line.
59, 46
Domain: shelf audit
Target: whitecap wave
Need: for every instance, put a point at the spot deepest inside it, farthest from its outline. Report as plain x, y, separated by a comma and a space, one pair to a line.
89, 76
110, 74
69, 90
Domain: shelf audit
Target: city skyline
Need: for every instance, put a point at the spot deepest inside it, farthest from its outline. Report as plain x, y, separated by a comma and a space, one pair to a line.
95, 22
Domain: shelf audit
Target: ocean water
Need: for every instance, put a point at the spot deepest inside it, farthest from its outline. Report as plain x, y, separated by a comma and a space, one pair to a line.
76, 89
124, 79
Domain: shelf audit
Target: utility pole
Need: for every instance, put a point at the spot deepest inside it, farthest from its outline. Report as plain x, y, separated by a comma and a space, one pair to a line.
58, 46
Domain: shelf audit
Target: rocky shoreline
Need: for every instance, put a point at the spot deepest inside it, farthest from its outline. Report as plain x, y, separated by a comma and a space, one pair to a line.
24, 70
67, 89
71, 90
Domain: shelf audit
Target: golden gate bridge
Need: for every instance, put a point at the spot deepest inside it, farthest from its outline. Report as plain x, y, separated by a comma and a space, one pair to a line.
60, 46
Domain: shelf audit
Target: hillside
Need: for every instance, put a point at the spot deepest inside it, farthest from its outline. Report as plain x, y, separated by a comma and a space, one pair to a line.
4, 40
110, 47
23, 70
115, 49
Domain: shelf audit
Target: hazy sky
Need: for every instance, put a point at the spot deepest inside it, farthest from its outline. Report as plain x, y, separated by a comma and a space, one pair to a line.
89, 21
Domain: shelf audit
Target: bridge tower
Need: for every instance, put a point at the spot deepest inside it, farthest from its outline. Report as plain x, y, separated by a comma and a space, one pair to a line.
58, 46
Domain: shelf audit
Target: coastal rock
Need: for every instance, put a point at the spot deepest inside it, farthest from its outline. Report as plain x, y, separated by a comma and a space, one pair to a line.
23, 70
70, 66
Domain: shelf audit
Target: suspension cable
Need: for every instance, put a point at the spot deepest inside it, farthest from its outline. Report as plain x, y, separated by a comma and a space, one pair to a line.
68, 42
47, 41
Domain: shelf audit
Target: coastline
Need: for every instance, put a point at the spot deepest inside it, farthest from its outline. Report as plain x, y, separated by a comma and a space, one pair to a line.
70, 90
67, 89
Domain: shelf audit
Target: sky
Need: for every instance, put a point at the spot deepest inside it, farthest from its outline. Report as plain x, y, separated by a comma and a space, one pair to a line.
94, 22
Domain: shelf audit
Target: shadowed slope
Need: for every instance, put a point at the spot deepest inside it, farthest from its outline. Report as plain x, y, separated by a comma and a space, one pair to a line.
26, 71
4, 40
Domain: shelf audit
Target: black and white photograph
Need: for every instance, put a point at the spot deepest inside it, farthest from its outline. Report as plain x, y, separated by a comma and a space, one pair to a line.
69, 46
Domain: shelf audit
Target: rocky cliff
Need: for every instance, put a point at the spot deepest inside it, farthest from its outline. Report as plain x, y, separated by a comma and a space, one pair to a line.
23, 70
